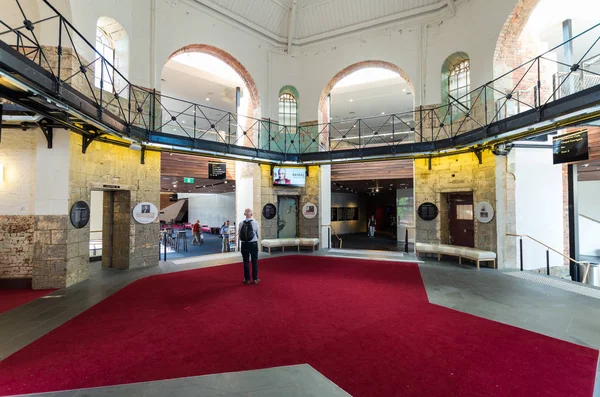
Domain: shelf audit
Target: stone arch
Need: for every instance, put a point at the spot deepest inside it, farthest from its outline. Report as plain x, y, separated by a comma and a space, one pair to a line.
233, 63
289, 89
351, 69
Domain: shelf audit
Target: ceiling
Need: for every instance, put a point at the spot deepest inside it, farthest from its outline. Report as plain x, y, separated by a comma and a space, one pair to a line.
374, 170
298, 22
371, 186
174, 167
388, 96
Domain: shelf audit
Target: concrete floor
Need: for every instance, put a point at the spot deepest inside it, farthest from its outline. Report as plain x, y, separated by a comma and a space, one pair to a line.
487, 293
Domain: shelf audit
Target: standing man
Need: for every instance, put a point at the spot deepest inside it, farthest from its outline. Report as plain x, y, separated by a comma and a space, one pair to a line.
225, 237
372, 223
196, 233
248, 235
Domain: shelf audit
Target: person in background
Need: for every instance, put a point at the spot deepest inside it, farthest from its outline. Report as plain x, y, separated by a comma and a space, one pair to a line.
225, 237
196, 232
372, 223
248, 235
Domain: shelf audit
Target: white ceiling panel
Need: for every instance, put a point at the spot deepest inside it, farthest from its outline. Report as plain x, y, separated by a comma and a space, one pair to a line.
318, 19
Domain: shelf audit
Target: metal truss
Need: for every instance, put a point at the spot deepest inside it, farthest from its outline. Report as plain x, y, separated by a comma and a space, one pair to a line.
61, 83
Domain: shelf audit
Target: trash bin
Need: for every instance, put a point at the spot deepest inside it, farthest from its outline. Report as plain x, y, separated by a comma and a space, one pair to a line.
593, 277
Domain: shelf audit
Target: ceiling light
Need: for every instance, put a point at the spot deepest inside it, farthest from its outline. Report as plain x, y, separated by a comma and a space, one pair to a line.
225, 182
208, 99
586, 165
382, 112
204, 186
404, 90
183, 121
351, 100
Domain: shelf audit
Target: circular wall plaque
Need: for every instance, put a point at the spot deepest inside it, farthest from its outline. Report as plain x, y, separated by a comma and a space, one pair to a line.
309, 210
80, 214
428, 211
484, 212
269, 211
145, 213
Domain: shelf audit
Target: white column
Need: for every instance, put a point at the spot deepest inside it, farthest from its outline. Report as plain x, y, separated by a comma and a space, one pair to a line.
51, 167
325, 205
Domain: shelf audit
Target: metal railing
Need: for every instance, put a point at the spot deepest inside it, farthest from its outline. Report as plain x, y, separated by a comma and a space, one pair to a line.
72, 61
334, 234
548, 249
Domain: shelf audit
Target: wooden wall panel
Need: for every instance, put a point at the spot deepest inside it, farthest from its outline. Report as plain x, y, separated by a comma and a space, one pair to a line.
184, 165
392, 169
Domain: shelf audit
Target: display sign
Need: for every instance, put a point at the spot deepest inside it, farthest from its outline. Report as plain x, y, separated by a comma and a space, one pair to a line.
570, 147
217, 170
269, 211
484, 212
145, 213
309, 210
188, 180
344, 214
294, 177
428, 211
80, 214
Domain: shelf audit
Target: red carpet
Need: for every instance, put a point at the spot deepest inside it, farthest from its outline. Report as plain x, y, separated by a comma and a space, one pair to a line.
365, 325
11, 298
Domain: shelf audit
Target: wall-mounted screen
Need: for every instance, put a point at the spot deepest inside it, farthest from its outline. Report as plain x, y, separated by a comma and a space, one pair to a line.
289, 176
217, 170
570, 147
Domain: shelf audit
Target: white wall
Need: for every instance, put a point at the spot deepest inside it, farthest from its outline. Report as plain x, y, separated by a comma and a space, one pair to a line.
539, 205
418, 47
589, 205
210, 209
349, 200
96, 213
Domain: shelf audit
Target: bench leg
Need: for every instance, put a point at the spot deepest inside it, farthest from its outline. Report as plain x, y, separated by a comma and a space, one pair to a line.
282, 248
269, 250
477, 263
298, 248
439, 257
495, 264
460, 260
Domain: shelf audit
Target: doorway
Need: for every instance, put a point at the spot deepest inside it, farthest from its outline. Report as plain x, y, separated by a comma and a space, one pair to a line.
461, 226
116, 229
287, 217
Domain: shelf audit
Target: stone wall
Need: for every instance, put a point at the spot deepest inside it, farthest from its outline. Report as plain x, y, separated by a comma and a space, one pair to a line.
16, 247
120, 169
309, 193
458, 173
50, 251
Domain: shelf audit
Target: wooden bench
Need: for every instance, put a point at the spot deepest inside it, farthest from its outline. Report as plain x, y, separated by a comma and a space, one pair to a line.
289, 242
453, 250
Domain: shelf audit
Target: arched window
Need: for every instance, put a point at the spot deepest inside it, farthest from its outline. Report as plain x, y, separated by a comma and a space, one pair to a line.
106, 47
112, 42
288, 110
459, 82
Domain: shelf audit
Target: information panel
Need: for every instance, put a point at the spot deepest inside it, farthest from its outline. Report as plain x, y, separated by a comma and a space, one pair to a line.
217, 170
570, 147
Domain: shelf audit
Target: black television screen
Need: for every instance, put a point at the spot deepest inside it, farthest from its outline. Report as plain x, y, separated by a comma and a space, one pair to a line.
289, 176
570, 147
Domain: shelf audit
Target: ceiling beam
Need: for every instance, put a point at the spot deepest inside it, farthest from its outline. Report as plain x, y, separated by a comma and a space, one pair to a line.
452, 7
292, 26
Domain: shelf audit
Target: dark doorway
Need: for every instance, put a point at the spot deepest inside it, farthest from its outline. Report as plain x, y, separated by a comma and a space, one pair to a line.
287, 217
116, 219
461, 226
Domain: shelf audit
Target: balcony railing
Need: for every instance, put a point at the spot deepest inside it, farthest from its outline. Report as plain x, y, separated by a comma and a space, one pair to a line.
55, 45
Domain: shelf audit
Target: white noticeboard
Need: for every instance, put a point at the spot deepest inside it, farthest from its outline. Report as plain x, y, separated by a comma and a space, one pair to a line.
232, 236
145, 213
484, 212
309, 210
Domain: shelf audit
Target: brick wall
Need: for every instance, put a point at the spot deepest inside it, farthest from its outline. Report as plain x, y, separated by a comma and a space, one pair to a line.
16, 246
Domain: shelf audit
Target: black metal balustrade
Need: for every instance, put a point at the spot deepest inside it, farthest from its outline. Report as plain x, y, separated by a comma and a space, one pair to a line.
53, 74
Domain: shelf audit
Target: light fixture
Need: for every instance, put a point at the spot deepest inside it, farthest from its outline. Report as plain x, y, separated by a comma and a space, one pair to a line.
208, 99
586, 165
225, 182
404, 90
382, 112
351, 100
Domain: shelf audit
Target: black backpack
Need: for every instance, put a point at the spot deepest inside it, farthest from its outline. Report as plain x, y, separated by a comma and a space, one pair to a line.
246, 232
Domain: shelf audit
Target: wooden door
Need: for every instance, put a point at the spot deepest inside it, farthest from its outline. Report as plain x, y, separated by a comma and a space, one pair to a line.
460, 219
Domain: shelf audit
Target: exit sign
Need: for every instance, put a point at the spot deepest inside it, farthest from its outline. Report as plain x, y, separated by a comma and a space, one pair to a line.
188, 180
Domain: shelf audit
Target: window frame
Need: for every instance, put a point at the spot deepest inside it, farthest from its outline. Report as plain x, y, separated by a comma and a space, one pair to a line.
105, 42
460, 70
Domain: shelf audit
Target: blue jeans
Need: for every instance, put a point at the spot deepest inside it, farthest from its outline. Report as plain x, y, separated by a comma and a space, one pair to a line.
250, 250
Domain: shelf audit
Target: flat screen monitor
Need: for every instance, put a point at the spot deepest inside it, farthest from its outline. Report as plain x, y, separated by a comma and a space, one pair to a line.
289, 176
570, 148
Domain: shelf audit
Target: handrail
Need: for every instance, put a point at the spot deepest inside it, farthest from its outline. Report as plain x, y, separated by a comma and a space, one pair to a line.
587, 263
335, 234
590, 218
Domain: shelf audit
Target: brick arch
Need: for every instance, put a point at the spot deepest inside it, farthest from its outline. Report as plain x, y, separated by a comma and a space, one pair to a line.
508, 52
354, 68
233, 63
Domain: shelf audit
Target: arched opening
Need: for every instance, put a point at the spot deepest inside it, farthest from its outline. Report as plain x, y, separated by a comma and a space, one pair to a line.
372, 91
112, 42
207, 94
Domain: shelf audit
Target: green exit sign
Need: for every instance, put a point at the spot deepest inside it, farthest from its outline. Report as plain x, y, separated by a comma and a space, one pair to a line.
188, 180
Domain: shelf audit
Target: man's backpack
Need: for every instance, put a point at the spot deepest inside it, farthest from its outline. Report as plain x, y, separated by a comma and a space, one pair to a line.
246, 232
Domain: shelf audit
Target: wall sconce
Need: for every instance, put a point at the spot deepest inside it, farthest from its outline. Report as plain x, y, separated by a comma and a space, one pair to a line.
1, 173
